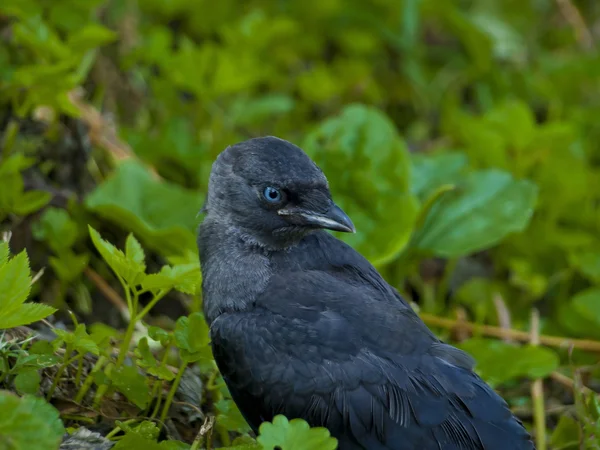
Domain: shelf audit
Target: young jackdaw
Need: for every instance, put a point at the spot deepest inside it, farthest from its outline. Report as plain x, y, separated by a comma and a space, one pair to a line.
304, 326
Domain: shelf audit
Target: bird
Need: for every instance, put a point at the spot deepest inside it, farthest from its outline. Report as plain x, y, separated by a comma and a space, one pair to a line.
304, 326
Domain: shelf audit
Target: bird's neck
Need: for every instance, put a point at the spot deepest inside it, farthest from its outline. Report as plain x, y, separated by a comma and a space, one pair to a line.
235, 270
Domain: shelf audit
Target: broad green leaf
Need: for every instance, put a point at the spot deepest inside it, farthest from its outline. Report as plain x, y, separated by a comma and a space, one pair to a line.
34, 361
28, 422
28, 382
369, 174
294, 435
133, 441
588, 263
129, 270
566, 434
499, 362
485, 207
429, 172
162, 215
581, 316
69, 266
132, 384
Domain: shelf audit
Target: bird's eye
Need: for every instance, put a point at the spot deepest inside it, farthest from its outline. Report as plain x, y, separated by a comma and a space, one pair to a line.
272, 195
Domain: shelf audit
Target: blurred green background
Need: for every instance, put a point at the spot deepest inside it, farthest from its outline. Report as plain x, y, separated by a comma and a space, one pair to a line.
462, 137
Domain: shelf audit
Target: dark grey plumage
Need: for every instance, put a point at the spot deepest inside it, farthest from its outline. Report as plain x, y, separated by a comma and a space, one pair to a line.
302, 325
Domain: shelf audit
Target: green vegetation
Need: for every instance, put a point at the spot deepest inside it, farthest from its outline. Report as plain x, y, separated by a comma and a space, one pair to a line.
461, 137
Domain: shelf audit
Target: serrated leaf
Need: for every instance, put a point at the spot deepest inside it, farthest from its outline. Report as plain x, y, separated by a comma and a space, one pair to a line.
161, 214
132, 384
29, 422
135, 253
484, 208
15, 283
26, 313
116, 259
183, 277
294, 435
369, 169
191, 336
28, 383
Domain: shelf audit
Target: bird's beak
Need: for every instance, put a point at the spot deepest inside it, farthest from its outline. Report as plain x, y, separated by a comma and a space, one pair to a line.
334, 219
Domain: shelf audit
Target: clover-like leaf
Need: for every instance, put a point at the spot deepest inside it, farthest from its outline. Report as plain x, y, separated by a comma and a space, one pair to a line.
28, 422
294, 435
369, 170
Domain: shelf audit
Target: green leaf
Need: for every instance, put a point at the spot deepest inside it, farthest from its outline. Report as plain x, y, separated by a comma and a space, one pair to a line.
147, 361
90, 36
56, 228
588, 263
132, 384
15, 285
81, 341
429, 172
160, 335
133, 441
183, 277
162, 215
192, 336
28, 382
31, 201
369, 169
4, 251
28, 422
499, 362
135, 253
294, 435
230, 416
566, 434
125, 268
484, 208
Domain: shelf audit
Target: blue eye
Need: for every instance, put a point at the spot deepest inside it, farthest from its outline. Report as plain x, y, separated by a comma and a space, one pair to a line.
272, 195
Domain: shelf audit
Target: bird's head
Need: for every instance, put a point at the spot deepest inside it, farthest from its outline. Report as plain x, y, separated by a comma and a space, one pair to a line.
272, 192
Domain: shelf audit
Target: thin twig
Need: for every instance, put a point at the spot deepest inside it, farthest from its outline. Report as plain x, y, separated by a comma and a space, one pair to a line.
573, 16
517, 335
503, 313
568, 382
537, 389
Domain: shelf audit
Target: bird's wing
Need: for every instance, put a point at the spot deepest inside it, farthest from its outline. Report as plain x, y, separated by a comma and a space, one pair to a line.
328, 350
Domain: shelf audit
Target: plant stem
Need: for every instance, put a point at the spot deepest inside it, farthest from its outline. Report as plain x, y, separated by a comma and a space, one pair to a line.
89, 379
151, 305
60, 371
79, 370
103, 387
124, 349
173, 390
